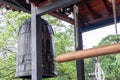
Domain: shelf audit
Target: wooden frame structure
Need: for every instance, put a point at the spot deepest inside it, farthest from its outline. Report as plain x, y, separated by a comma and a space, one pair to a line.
93, 14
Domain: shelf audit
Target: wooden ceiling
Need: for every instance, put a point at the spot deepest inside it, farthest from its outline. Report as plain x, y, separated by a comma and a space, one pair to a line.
90, 11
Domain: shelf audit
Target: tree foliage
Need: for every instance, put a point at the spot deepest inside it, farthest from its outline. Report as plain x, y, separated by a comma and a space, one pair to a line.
109, 63
10, 22
8, 40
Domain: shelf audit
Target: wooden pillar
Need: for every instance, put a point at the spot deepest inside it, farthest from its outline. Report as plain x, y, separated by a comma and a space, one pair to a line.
78, 45
36, 36
80, 62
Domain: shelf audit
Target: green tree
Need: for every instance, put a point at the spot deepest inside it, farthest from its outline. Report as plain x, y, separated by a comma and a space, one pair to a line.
10, 23
109, 63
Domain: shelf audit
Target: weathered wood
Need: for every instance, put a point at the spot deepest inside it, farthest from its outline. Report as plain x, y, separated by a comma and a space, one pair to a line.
87, 53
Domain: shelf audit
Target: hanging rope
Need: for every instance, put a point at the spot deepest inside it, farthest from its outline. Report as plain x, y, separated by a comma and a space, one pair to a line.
115, 20
99, 73
76, 9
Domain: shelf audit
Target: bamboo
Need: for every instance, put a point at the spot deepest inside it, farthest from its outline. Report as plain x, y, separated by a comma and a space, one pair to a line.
92, 52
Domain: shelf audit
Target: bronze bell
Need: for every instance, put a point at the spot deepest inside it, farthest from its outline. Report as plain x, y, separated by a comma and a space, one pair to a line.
23, 69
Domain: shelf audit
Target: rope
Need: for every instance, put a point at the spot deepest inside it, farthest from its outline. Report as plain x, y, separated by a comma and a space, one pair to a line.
115, 20
76, 9
99, 73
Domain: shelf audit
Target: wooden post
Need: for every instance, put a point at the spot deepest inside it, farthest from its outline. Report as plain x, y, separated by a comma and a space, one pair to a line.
36, 47
78, 45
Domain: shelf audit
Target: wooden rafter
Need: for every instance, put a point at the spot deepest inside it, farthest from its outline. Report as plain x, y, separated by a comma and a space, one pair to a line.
62, 17
94, 14
38, 3
105, 7
101, 19
5, 4
45, 3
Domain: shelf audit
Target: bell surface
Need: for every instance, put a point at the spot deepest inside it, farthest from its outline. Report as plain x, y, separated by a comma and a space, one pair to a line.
23, 63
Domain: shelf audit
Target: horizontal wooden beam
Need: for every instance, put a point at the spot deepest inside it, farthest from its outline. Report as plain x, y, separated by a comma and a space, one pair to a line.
57, 4
62, 17
87, 53
5, 2
14, 5
99, 23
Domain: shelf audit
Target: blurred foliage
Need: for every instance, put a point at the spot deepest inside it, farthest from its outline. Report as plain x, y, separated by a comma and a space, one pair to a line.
109, 63
9, 24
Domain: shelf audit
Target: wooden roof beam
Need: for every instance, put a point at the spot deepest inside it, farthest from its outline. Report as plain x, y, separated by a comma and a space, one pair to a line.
10, 4
95, 15
38, 3
45, 3
105, 6
62, 17
57, 4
